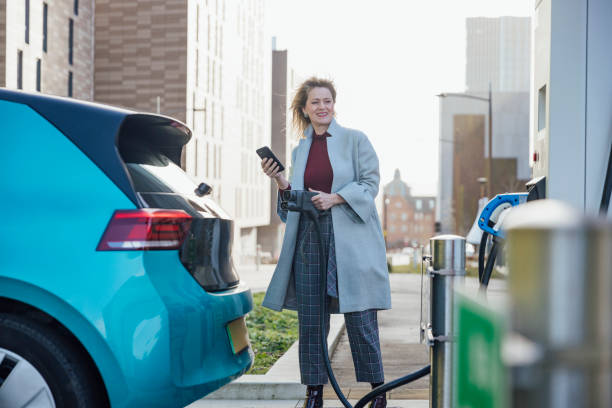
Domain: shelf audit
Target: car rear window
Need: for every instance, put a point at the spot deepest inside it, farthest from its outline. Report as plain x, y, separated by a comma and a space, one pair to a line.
156, 173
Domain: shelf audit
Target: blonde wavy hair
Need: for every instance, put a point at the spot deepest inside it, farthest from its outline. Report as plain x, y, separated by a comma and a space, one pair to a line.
300, 123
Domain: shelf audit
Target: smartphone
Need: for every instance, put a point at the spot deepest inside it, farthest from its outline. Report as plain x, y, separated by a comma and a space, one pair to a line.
266, 153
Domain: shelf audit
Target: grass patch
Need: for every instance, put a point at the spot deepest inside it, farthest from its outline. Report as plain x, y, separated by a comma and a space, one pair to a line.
271, 334
470, 270
410, 268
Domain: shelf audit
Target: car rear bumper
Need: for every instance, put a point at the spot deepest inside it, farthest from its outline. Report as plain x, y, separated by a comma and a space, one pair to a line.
173, 346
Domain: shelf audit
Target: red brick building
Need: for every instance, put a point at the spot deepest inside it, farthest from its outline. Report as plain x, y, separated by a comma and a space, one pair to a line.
407, 220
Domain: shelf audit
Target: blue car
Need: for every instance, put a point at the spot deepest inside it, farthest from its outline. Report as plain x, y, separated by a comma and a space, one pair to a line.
117, 286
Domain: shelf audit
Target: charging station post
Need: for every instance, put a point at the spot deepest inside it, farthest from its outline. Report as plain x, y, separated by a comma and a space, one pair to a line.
561, 310
447, 269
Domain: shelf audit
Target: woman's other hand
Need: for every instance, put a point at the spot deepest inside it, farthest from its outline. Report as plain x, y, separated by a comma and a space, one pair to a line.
324, 201
270, 168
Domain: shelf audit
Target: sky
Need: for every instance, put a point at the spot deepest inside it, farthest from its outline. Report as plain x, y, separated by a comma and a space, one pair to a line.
388, 60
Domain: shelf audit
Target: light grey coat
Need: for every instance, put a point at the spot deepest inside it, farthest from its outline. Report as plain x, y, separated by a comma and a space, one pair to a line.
363, 279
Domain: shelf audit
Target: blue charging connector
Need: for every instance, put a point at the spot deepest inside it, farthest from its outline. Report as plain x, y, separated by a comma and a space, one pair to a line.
489, 216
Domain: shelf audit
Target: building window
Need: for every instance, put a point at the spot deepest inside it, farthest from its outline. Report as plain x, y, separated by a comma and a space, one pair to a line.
207, 160
213, 113
431, 204
196, 155
45, 12
70, 83
209, 37
38, 75
214, 161
404, 216
398, 204
27, 21
19, 69
419, 204
76, 7
197, 23
70, 39
197, 69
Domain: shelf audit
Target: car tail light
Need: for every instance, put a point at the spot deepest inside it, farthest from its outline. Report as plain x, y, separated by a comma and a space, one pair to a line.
146, 229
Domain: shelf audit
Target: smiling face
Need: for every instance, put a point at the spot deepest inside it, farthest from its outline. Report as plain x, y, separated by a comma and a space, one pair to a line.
319, 107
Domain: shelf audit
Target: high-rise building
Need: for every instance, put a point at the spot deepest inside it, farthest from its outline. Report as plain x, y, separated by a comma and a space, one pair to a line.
205, 62
283, 140
498, 52
47, 46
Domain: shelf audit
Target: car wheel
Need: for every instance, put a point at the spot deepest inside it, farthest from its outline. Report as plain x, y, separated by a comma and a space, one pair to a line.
40, 367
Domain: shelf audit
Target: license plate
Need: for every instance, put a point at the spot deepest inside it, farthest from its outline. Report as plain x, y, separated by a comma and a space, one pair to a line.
238, 335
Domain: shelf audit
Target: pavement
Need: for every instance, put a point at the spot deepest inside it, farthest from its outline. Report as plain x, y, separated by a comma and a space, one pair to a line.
401, 350
297, 404
256, 277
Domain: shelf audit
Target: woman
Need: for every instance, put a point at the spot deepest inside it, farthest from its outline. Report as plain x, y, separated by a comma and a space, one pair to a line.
341, 166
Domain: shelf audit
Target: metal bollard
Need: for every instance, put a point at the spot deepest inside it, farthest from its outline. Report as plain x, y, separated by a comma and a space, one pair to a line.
447, 268
560, 285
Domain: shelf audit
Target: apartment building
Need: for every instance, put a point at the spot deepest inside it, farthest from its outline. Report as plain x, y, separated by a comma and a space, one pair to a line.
498, 51
205, 62
47, 46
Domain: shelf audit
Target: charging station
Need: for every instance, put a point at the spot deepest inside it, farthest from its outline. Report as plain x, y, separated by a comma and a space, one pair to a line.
572, 99
550, 346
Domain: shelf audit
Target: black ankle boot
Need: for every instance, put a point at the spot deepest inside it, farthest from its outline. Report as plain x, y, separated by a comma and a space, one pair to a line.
314, 396
379, 402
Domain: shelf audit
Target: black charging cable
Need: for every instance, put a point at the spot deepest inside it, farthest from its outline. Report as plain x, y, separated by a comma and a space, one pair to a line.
300, 201
482, 248
485, 270
488, 269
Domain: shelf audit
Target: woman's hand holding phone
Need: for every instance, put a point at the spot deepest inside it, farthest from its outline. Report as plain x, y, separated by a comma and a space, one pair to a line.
271, 169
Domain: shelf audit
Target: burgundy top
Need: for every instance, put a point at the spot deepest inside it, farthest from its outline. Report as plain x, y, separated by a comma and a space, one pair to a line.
318, 174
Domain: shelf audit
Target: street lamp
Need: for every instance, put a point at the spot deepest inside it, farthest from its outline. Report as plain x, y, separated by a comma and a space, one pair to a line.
482, 181
489, 100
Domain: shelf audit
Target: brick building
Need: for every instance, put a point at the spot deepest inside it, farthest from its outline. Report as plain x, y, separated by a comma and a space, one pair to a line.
407, 220
47, 46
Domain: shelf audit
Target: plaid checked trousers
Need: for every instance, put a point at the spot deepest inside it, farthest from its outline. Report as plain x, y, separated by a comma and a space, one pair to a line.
361, 327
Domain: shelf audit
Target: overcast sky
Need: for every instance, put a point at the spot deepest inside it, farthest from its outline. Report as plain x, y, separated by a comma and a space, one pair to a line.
388, 59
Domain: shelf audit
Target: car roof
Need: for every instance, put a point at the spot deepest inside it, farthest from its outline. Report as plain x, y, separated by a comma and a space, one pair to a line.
94, 128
